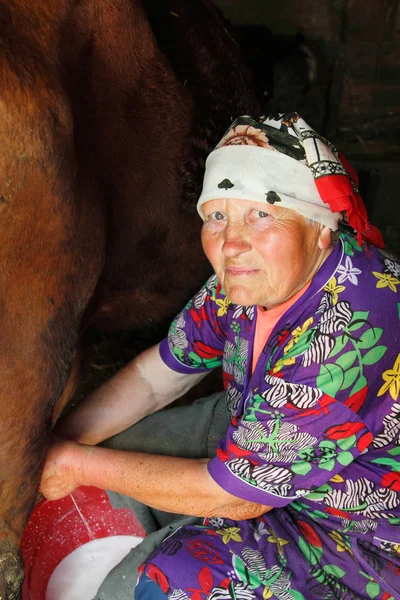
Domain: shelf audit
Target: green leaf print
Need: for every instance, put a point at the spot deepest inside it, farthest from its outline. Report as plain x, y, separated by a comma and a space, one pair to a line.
360, 383
347, 360
306, 550
394, 451
346, 443
179, 353
211, 363
301, 467
350, 377
345, 458
374, 355
372, 589
358, 320
350, 244
330, 379
334, 570
320, 493
327, 444
328, 465
348, 249
195, 359
244, 574
390, 462
370, 337
302, 344
340, 343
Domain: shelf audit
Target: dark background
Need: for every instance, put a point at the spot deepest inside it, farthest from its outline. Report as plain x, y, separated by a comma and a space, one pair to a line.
336, 62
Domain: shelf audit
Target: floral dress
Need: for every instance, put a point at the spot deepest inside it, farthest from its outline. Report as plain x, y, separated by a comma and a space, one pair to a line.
314, 433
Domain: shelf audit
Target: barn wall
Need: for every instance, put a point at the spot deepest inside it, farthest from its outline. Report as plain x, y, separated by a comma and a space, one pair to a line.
353, 96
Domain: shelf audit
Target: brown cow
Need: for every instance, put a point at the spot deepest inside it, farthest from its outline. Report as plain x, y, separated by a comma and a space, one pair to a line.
103, 131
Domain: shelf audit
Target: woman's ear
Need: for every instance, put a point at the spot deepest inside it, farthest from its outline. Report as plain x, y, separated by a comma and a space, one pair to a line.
325, 238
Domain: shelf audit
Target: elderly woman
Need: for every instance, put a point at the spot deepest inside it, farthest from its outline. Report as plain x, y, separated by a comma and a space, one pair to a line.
301, 499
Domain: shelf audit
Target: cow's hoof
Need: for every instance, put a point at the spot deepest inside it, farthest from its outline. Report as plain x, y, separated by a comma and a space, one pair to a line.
11, 571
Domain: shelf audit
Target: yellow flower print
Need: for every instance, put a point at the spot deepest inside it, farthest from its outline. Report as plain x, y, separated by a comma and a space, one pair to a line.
334, 289
282, 362
297, 333
267, 593
386, 280
223, 306
392, 380
395, 547
341, 545
230, 533
274, 539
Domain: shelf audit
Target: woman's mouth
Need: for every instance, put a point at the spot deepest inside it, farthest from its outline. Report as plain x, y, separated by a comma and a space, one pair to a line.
240, 271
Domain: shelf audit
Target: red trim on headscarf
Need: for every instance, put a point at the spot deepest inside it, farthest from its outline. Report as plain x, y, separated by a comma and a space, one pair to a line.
337, 191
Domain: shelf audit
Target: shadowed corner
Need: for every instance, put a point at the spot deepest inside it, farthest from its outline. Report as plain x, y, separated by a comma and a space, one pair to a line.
11, 571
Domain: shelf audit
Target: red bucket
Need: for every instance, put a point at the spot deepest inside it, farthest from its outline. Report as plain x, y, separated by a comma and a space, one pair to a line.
57, 528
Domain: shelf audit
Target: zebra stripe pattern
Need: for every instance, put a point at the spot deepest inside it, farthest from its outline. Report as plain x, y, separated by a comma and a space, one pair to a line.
319, 349
281, 392
337, 317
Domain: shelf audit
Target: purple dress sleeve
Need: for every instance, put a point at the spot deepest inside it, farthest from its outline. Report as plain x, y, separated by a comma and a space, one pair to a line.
286, 452
196, 338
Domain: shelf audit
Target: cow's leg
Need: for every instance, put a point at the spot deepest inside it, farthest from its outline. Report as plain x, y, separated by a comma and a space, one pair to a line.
51, 253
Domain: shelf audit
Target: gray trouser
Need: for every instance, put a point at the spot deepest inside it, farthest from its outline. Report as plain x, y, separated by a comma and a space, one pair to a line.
187, 431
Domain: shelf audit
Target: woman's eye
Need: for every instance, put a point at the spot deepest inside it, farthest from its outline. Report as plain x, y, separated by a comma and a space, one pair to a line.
261, 214
216, 216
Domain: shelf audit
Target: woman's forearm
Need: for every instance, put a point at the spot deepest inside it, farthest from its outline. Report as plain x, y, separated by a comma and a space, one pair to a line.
176, 485
114, 406
142, 387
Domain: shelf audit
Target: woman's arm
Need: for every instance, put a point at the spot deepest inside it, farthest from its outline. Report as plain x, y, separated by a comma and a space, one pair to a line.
177, 485
142, 387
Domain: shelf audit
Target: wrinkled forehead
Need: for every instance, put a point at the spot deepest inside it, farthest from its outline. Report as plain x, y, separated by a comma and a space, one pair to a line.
241, 207
227, 203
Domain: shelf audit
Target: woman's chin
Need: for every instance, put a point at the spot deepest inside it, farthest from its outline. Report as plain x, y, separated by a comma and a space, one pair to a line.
242, 296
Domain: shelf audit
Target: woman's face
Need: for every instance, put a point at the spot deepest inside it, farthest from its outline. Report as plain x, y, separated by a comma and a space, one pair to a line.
262, 254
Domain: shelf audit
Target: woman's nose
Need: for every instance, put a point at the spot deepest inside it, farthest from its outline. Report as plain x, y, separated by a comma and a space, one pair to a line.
235, 241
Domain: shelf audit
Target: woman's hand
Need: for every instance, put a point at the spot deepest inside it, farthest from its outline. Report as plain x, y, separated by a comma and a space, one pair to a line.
62, 472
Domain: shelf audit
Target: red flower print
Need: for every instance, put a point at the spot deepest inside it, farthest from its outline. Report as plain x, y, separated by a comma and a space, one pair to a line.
205, 351
199, 316
204, 551
394, 568
283, 336
322, 405
222, 454
356, 401
225, 583
337, 513
206, 581
232, 449
309, 533
392, 481
279, 374
364, 441
159, 578
227, 378
344, 430
236, 451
